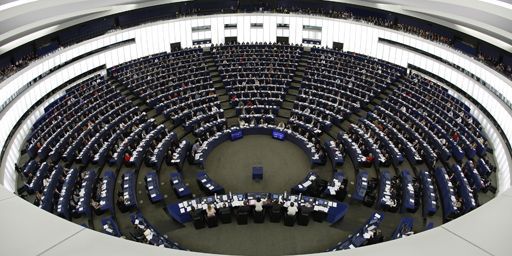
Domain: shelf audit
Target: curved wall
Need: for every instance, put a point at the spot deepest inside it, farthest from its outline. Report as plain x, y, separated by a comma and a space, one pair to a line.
157, 37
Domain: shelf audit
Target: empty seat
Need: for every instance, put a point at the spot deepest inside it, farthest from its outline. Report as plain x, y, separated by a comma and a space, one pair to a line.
289, 220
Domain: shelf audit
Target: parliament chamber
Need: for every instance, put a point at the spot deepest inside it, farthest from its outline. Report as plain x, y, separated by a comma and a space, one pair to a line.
257, 128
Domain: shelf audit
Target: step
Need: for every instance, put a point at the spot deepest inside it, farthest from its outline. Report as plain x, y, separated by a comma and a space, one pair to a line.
223, 97
229, 113
284, 113
281, 119
232, 122
293, 92
225, 105
295, 85
180, 131
353, 118
220, 92
290, 98
287, 105
190, 137
326, 136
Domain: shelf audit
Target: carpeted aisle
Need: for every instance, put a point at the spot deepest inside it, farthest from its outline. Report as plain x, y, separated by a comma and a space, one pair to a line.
285, 164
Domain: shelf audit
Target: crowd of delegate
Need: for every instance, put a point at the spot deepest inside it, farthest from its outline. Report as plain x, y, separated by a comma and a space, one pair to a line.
94, 123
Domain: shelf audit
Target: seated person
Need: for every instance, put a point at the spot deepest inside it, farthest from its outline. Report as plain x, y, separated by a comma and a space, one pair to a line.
258, 206
95, 205
292, 209
210, 211
241, 122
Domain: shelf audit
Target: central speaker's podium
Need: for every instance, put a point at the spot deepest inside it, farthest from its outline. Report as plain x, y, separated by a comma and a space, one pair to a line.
257, 173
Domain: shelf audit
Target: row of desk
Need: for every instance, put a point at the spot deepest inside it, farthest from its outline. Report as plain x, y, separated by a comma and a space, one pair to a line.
103, 153
334, 152
369, 144
447, 193
404, 228
361, 186
361, 237
86, 154
396, 156
152, 235
180, 212
118, 157
410, 152
105, 119
265, 129
439, 123
49, 191
84, 202
128, 185
473, 176
409, 203
37, 182
463, 189
155, 160
179, 155
107, 191
414, 116
429, 194
357, 157
53, 150
110, 227
139, 153
153, 187
428, 154
66, 192
207, 185
179, 186
387, 196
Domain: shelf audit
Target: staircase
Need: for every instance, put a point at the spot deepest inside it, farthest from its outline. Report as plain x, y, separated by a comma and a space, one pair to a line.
220, 89
293, 89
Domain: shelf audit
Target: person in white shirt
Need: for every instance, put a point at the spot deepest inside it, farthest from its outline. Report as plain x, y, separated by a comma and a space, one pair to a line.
258, 206
292, 209
241, 122
210, 211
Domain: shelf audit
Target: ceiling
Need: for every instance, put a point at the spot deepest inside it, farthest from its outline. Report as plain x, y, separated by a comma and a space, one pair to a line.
22, 21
